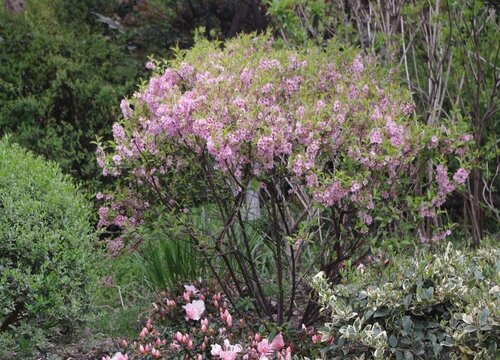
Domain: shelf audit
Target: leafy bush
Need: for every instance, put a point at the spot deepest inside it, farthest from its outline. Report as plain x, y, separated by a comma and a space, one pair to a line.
47, 254
317, 148
59, 86
442, 306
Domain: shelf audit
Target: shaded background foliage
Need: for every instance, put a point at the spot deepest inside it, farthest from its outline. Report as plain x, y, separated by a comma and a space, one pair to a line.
60, 86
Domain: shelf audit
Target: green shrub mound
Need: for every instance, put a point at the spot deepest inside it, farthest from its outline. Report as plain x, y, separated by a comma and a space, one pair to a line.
444, 306
47, 257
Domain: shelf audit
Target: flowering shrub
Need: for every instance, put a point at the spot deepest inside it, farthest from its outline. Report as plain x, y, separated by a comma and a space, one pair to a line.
444, 306
320, 144
202, 325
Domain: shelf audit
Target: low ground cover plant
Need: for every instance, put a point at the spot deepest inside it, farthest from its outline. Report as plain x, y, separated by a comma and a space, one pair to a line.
47, 253
443, 306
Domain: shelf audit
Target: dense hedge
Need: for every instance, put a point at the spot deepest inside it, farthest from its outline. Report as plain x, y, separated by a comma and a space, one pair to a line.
47, 254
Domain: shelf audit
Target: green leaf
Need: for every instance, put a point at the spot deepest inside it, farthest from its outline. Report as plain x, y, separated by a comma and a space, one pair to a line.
393, 341
432, 337
407, 323
483, 317
381, 313
470, 328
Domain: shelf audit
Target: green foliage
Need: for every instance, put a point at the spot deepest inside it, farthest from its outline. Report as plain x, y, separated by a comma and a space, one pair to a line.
168, 262
47, 254
300, 21
59, 86
441, 306
121, 299
81, 11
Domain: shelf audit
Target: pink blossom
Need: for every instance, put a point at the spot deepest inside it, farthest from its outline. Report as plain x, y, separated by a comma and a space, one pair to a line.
204, 325
317, 338
461, 175
194, 310
191, 289
277, 344
115, 246
357, 65
444, 184
175, 346
119, 356
227, 352
178, 336
376, 136
355, 186
103, 215
433, 143
320, 105
118, 132
144, 332
126, 109
117, 159
263, 347
156, 353
246, 76
229, 320
466, 137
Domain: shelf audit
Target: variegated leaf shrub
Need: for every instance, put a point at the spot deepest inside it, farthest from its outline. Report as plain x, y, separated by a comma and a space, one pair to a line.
444, 306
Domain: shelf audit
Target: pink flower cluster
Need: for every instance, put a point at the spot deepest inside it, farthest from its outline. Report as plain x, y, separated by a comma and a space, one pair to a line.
322, 123
178, 330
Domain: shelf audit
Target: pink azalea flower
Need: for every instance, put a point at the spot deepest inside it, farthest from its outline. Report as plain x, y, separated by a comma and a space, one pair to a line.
119, 356
156, 353
191, 289
144, 332
178, 336
204, 325
194, 310
277, 344
228, 352
263, 347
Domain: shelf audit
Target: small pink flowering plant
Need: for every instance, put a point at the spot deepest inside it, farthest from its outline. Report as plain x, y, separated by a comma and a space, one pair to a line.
220, 333
320, 144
